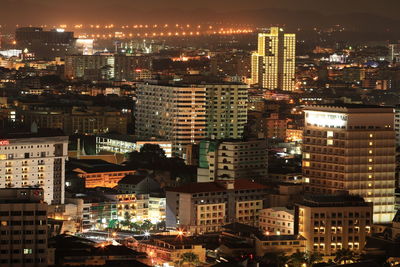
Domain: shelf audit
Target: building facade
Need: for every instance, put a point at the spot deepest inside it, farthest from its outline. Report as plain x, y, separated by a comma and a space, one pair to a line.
273, 65
232, 160
276, 221
330, 223
226, 110
35, 160
171, 113
206, 207
351, 148
23, 227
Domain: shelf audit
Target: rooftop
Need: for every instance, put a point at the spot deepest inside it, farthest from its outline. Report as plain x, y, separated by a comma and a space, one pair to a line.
240, 184
96, 166
333, 201
43, 132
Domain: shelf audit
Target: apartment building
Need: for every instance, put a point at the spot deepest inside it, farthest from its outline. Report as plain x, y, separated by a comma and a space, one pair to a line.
276, 221
171, 113
233, 159
206, 207
35, 159
226, 110
23, 227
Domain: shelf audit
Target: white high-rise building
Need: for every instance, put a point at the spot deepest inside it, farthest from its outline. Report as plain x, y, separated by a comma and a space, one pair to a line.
35, 160
273, 65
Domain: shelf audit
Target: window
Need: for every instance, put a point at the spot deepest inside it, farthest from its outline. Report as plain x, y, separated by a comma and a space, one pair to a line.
27, 251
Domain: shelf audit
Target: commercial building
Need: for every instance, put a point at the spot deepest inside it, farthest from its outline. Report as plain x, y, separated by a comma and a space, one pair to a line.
123, 144
45, 44
171, 113
206, 207
276, 221
236, 159
351, 148
105, 66
23, 227
273, 65
330, 222
226, 110
35, 160
91, 120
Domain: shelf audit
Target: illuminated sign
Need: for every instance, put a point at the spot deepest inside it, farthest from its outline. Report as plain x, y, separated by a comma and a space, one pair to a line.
4, 142
326, 119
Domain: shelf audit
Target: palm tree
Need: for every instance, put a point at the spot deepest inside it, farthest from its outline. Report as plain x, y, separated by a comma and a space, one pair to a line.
345, 256
312, 257
190, 258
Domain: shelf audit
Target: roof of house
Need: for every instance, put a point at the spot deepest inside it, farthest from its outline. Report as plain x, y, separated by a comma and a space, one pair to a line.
239, 184
96, 166
279, 237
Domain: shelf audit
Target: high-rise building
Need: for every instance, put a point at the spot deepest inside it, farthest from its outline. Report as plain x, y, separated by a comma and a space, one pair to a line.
330, 223
394, 53
173, 113
226, 110
35, 160
351, 148
237, 159
273, 65
105, 66
23, 227
45, 44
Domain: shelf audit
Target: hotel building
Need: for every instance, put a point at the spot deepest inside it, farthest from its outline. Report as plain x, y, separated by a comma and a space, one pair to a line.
351, 148
35, 160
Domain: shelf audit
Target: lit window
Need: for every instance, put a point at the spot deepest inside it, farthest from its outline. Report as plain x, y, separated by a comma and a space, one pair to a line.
306, 155
370, 168
371, 135
306, 164
370, 176
370, 152
27, 251
329, 134
329, 142
370, 160
369, 193
371, 143
307, 180
369, 184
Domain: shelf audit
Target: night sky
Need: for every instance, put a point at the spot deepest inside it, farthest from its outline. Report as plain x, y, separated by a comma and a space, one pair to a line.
127, 11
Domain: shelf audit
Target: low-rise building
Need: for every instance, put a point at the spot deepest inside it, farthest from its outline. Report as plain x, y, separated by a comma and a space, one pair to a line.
206, 207
333, 222
168, 249
288, 244
99, 173
277, 220
122, 144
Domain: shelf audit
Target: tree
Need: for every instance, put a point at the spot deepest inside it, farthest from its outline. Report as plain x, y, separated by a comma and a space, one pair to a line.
312, 257
297, 259
345, 256
278, 259
190, 258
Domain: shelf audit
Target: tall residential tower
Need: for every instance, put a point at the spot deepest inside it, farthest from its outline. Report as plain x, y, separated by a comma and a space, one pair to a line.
273, 65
